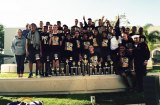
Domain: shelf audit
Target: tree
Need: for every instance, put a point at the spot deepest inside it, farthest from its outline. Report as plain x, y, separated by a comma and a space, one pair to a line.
1, 36
152, 37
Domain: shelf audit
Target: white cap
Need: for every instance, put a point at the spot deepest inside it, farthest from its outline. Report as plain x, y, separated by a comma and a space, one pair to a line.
135, 36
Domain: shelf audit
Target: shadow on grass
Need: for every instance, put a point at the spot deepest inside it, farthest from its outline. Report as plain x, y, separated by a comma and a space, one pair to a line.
4, 101
119, 98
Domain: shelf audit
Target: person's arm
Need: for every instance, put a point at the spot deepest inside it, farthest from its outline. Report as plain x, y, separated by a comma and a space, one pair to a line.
50, 40
102, 20
13, 46
85, 23
146, 54
40, 48
61, 43
27, 43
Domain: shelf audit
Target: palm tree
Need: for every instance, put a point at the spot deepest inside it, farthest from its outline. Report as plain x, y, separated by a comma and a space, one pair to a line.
152, 38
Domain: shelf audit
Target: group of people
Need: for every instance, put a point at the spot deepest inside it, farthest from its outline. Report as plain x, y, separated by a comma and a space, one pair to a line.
50, 44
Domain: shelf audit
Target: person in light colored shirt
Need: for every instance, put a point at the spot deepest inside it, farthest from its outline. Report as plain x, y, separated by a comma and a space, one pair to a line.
18, 48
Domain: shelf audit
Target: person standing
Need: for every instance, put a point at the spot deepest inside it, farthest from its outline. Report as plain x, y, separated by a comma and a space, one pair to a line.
26, 31
45, 49
75, 27
141, 55
18, 48
33, 49
55, 43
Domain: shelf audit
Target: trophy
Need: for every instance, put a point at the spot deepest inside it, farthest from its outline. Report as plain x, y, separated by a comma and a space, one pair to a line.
56, 56
105, 69
70, 58
53, 71
74, 68
90, 68
85, 61
111, 69
100, 68
83, 70
62, 69
79, 68
95, 69
67, 67
70, 65
48, 59
57, 71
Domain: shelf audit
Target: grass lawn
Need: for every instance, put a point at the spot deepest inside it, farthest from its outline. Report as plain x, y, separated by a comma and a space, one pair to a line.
155, 69
83, 99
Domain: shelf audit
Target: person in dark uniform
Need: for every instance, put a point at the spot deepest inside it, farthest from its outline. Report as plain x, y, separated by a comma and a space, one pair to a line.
50, 30
141, 33
94, 58
134, 31
55, 43
75, 27
60, 28
96, 40
105, 50
124, 69
77, 46
45, 50
85, 44
89, 27
67, 46
141, 54
129, 44
40, 26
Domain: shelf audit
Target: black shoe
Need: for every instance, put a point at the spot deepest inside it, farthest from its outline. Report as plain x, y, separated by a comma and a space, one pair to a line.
30, 75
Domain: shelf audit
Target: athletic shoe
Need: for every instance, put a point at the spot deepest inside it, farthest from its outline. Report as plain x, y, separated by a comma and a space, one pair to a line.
30, 75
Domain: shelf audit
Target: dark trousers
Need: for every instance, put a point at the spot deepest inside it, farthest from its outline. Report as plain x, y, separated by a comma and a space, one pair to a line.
20, 63
140, 73
114, 58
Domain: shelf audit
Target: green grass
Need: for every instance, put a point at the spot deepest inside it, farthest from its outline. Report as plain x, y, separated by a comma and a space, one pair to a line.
83, 99
11, 75
155, 69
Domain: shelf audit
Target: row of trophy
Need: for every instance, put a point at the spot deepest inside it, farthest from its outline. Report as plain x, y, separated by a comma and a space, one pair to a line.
70, 67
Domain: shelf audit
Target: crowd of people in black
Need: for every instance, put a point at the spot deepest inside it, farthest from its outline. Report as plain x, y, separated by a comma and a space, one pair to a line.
95, 49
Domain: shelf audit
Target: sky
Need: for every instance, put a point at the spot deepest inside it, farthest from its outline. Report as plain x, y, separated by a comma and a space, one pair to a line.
16, 13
